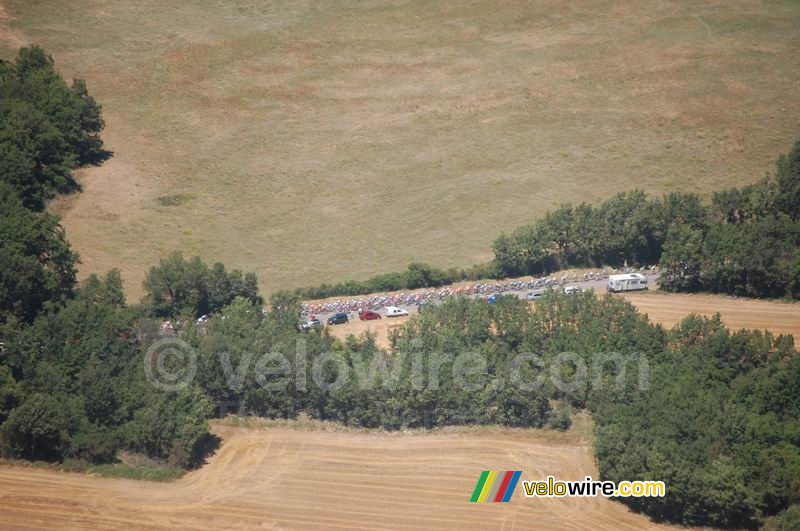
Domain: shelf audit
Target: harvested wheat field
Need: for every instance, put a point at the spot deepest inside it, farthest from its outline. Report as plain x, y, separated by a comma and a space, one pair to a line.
318, 141
668, 309
280, 476
381, 328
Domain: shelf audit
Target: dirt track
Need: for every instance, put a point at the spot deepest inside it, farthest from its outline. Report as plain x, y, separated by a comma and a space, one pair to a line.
282, 477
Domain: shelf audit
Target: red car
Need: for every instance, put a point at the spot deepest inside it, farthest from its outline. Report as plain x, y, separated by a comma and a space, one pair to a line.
368, 315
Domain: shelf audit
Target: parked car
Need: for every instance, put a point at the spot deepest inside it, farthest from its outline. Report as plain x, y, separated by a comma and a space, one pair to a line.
533, 295
338, 318
571, 290
394, 311
311, 324
368, 315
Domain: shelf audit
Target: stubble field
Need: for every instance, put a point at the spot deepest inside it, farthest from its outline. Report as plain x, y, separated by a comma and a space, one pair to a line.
289, 478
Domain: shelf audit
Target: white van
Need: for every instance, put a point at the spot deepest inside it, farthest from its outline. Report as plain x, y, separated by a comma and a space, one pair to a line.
394, 311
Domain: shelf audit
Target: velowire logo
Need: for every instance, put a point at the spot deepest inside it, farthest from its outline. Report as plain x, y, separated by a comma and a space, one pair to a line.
495, 486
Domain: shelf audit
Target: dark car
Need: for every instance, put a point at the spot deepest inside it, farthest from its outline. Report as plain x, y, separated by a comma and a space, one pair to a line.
338, 318
368, 315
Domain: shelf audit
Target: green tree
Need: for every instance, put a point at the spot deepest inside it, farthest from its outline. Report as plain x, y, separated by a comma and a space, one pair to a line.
41, 426
424, 276
10, 393
788, 520
788, 183
107, 290
190, 288
522, 408
36, 263
47, 128
177, 286
681, 261
172, 426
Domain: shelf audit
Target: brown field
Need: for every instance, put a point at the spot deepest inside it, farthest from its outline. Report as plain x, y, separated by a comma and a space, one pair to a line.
668, 309
314, 141
381, 328
664, 308
285, 477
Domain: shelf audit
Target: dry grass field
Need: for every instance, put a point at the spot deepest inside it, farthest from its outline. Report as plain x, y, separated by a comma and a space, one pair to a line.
283, 476
315, 141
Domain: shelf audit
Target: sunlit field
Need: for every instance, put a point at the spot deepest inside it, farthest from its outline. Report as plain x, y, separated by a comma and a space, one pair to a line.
357, 480
318, 141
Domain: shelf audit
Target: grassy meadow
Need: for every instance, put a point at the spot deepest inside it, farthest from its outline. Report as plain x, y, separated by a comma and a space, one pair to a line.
314, 141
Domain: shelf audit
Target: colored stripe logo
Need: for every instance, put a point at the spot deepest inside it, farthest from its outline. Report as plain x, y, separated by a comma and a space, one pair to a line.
495, 486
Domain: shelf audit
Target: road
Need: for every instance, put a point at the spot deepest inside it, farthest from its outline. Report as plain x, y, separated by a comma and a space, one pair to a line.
667, 309
596, 285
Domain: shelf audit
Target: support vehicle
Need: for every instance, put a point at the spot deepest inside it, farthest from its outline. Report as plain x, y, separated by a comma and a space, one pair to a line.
394, 311
627, 282
368, 315
338, 318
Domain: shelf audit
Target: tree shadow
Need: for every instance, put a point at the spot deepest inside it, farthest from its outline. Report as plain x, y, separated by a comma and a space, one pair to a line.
96, 157
72, 186
207, 449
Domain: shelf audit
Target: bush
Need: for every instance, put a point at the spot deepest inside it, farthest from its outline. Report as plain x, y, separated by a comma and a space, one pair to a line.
788, 520
560, 418
41, 427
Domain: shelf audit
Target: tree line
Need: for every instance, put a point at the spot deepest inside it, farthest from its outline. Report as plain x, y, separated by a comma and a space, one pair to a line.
417, 275
71, 382
71, 356
421, 384
719, 425
745, 241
